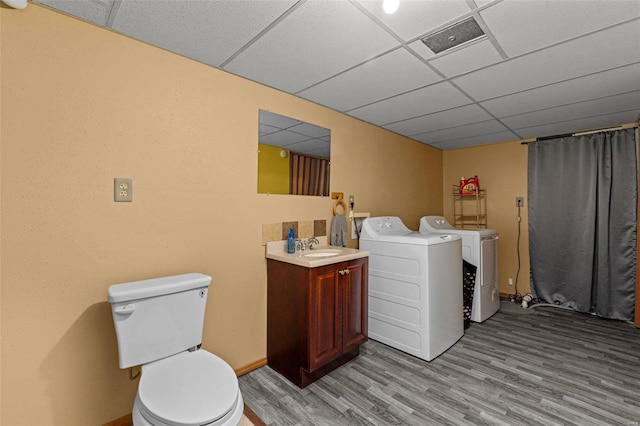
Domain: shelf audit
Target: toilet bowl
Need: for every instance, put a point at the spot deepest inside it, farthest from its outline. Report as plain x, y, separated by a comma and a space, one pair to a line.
191, 388
159, 326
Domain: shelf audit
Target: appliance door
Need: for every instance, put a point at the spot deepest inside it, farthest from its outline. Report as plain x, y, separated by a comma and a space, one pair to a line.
486, 299
489, 260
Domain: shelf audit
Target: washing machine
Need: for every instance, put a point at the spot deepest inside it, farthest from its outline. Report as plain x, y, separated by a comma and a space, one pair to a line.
480, 248
415, 287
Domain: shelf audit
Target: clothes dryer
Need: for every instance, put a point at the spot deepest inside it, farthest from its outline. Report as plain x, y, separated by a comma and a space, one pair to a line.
415, 287
480, 248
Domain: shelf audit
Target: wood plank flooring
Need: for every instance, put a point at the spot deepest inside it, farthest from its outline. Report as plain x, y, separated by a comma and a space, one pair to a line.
542, 366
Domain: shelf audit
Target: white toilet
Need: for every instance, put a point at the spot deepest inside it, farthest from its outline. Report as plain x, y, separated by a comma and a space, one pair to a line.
159, 325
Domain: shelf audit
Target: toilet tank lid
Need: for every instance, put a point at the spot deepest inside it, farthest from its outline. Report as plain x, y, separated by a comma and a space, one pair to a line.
156, 287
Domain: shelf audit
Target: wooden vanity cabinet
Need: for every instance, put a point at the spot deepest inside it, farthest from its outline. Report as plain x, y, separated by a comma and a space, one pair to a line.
316, 317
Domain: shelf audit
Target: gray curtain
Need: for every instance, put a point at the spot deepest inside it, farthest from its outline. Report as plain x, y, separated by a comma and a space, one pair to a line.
582, 194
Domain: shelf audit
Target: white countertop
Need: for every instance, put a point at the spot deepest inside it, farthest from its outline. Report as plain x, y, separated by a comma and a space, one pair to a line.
277, 250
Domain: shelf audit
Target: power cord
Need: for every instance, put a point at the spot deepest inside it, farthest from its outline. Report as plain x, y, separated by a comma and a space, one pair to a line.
517, 297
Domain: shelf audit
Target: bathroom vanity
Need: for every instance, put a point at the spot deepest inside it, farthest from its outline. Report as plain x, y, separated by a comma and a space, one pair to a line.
316, 311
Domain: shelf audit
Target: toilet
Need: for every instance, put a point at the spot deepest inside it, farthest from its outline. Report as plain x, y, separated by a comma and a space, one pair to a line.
158, 325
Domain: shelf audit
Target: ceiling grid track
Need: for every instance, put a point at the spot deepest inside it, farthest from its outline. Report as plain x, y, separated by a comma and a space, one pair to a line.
540, 67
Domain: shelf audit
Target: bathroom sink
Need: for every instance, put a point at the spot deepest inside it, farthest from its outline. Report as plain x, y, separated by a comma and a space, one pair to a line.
323, 253
320, 255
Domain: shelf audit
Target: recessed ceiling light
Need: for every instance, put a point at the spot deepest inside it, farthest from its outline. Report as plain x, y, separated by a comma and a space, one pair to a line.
16, 4
390, 6
454, 35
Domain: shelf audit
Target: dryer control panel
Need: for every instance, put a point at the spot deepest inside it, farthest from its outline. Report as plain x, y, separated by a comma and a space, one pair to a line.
435, 223
385, 225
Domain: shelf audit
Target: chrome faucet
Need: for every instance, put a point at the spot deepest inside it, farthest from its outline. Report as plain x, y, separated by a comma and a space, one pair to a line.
302, 245
311, 241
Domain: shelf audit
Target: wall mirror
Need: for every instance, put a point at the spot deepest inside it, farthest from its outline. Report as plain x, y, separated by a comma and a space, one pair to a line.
293, 156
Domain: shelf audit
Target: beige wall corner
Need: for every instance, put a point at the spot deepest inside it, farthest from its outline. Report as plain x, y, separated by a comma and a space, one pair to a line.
502, 172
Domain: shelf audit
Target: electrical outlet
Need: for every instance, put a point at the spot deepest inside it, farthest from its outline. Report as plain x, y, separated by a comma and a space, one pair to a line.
122, 189
519, 202
510, 281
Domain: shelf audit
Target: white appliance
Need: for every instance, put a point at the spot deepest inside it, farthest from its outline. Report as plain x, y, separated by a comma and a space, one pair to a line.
480, 248
415, 287
159, 325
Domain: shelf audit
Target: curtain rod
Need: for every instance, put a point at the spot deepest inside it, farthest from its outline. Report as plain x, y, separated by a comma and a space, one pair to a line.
582, 133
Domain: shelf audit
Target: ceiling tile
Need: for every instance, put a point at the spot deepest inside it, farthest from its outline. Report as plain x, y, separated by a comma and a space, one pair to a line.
330, 37
96, 11
312, 147
391, 74
612, 82
416, 18
583, 124
208, 31
282, 138
468, 58
265, 129
421, 49
481, 3
516, 23
590, 54
419, 102
477, 140
440, 120
294, 134
313, 130
461, 132
608, 105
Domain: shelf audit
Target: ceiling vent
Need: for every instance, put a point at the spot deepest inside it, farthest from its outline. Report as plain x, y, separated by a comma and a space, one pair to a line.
453, 36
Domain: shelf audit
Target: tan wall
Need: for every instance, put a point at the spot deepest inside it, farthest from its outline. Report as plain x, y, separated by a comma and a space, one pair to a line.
502, 171
81, 106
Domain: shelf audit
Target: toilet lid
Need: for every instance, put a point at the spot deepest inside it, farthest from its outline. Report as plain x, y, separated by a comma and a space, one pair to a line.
191, 388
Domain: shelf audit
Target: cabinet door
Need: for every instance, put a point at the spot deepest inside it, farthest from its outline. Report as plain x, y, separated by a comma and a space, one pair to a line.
354, 304
325, 317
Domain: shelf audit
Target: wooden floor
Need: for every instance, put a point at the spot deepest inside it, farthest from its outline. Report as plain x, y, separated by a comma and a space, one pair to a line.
544, 366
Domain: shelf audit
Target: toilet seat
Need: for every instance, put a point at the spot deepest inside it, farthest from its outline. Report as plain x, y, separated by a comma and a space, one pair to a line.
188, 389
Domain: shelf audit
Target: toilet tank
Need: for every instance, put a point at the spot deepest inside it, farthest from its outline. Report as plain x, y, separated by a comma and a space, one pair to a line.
159, 317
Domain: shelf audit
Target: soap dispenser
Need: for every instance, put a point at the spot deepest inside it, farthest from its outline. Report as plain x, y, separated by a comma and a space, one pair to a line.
291, 241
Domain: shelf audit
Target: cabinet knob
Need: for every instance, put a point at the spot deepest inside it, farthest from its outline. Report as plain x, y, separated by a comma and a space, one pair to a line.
341, 272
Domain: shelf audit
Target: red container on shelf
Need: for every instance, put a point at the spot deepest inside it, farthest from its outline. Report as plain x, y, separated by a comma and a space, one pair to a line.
469, 186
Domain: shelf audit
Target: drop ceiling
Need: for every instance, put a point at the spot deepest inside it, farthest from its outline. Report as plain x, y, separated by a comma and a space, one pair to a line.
542, 67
